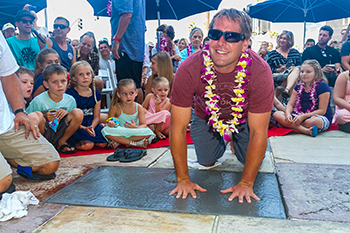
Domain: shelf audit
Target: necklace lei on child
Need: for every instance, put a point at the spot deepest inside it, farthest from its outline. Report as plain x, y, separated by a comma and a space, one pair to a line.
238, 99
312, 94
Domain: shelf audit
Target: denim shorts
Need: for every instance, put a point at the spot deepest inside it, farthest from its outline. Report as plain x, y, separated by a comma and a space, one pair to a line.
210, 146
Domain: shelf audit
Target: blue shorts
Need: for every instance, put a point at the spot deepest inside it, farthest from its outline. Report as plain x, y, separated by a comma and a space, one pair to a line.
210, 146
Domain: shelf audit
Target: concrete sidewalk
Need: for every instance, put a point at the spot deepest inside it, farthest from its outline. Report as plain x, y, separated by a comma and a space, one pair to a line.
313, 174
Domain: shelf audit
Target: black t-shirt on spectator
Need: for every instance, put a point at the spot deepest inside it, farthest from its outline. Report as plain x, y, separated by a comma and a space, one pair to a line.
323, 56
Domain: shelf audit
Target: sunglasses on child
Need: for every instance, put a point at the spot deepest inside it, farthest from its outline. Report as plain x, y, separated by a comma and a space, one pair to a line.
61, 26
230, 37
25, 21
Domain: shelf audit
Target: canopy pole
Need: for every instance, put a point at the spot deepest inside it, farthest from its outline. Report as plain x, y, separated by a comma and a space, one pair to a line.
45, 13
304, 33
159, 34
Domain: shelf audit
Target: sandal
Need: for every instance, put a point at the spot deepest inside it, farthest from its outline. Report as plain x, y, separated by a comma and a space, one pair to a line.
133, 155
28, 173
139, 143
61, 149
117, 155
286, 93
113, 144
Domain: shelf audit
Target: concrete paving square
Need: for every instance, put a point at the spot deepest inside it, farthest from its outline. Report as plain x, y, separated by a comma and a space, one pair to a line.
75, 219
299, 148
316, 191
230, 162
232, 224
37, 216
124, 187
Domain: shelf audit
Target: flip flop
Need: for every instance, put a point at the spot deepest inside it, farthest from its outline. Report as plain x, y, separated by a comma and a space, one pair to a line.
133, 155
155, 140
117, 155
314, 131
61, 149
28, 173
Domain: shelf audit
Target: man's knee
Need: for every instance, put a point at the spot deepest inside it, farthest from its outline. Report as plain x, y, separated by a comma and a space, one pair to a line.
5, 183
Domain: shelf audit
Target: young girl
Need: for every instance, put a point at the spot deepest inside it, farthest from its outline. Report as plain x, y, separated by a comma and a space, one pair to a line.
308, 109
89, 100
161, 66
132, 129
158, 106
45, 58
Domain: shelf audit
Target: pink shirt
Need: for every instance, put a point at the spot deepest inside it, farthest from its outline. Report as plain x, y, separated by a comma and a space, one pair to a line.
187, 85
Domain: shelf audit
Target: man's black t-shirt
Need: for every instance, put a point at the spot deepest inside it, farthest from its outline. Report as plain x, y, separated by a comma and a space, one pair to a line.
323, 56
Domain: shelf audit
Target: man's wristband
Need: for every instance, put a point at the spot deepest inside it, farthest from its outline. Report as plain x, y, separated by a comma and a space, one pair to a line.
116, 38
20, 110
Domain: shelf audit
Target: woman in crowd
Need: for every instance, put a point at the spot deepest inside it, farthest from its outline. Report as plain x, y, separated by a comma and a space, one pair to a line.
196, 37
284, 61
161, 66
183, 42
341, 97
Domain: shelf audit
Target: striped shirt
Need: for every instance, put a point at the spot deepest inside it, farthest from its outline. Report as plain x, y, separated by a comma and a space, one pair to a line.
276, 60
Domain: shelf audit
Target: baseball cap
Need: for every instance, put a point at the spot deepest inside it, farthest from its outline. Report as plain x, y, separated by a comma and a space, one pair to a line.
22, 13
150, 44
7, 26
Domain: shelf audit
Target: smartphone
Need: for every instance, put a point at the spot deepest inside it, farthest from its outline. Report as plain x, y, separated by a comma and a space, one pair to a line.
32, 8
332, 65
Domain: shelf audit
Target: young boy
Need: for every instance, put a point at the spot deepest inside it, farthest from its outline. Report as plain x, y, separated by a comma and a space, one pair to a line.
62, 118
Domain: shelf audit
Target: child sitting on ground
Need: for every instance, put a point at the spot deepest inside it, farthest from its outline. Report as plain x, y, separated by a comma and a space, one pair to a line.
308, 109
132, 129
158, 107
88, 99
45, 58
62, 118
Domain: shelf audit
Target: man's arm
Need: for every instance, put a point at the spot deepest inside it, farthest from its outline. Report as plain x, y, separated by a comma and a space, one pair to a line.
13, 92
345, 62
258, 126
122, 26
180, 118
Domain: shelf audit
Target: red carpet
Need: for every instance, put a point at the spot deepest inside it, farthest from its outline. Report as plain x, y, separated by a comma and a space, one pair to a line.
274, 131
96, 150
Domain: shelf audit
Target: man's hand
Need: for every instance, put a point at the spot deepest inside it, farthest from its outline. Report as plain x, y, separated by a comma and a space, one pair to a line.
115, 49
242, 189
328, 69
186, 187
22, 119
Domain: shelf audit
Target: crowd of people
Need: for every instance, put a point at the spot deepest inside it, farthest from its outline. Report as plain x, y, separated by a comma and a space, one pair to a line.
215, 83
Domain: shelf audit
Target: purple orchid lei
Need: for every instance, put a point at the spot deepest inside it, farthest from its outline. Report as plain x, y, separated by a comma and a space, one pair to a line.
238, 98
313, 98
189, 49
109, 8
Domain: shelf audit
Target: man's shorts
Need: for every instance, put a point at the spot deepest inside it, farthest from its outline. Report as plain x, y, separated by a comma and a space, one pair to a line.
26, 152
210, 146
5, 168
127, 68
52, 136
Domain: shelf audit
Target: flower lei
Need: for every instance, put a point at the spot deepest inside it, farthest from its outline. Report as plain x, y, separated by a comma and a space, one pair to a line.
189, 49
297, 105
238, 98
165, 46
109, 8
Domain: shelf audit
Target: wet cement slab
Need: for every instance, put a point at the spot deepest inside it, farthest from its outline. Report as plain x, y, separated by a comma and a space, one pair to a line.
37, 216
148, 189
77, 219
305, 149
316, 192
229, 224
229, 162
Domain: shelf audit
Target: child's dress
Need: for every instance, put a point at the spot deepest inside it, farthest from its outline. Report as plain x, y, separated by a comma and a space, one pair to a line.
153, 117
342, 115
87, 105
127, 132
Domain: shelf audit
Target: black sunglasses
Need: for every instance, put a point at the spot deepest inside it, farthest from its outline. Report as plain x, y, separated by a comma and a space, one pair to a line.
61, 26
230, 37
25, 21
